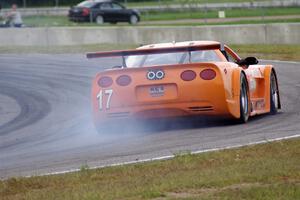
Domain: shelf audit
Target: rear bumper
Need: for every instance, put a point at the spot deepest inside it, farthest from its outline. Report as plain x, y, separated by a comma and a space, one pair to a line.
168, 110
169, 97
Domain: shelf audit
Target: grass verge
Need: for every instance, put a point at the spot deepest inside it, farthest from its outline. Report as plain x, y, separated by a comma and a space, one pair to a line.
269, 52
265, 171
45, 21
64, 49
230, 13
261, 51
183, 2
250, 21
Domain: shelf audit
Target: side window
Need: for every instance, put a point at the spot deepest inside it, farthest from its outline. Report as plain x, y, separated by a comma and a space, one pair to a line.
116, 6
230, 57
105, 6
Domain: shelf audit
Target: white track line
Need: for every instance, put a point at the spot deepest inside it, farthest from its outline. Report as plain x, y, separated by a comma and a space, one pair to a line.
172, 156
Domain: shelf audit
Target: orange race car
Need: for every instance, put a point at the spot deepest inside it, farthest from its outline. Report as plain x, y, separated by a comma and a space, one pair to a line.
182, 79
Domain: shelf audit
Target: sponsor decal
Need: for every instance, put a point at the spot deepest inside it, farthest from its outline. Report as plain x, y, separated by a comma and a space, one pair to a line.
254, 72
260, 104
252, 84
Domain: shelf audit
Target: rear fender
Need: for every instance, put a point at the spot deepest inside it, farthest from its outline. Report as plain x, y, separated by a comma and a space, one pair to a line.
267, 76
234, 104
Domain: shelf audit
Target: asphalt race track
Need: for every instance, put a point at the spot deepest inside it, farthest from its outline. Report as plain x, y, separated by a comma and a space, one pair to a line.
46, 125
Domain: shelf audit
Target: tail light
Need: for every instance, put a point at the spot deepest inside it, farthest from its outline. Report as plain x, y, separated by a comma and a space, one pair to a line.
123, 80
208, 74
85, 12
188, 75
105, 81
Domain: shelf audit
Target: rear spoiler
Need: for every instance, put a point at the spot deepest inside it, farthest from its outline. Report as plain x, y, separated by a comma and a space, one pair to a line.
124, 53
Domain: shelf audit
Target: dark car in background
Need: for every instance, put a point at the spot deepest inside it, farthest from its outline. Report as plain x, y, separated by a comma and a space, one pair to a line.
101, 11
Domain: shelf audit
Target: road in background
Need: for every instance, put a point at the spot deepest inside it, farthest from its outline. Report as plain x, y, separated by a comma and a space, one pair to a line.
46, 125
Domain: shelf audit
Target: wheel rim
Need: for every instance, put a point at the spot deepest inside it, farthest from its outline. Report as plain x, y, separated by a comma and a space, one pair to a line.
274, 93
99, 20
133, 19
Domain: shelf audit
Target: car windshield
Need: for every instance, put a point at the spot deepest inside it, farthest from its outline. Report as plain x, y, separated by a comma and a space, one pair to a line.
87, 4
171, 58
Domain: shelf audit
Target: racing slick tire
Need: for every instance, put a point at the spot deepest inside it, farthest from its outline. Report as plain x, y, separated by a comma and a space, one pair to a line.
274, 100
244, 100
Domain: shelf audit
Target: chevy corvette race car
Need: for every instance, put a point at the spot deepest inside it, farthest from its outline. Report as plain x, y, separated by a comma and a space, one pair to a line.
182, 79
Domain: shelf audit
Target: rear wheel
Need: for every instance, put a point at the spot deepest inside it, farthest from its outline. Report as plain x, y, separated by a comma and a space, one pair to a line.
273, 94
133, 19
244, 100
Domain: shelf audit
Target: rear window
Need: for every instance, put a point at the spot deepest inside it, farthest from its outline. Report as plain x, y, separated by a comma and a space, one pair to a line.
172, 58
87, 4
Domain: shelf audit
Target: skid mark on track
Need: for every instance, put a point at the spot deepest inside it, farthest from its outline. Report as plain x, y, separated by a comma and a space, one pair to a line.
33, 108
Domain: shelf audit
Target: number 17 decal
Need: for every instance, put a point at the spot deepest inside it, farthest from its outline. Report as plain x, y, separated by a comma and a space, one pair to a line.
100, 98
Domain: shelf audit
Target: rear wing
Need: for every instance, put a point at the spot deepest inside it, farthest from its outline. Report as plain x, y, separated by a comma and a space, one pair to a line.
124, 53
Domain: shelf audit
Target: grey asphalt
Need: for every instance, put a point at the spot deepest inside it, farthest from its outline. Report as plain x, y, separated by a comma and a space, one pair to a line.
46, 125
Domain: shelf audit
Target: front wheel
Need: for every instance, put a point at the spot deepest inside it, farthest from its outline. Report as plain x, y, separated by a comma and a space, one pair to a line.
133, 19
274, 100
244, 100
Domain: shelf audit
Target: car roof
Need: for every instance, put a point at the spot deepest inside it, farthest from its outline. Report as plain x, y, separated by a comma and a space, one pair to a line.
100, 1
179, 44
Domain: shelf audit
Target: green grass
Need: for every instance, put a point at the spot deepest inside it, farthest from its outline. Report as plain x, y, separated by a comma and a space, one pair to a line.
41, 21
64, 49
268, 171
271, 52
256, 21
180, 2
230, 13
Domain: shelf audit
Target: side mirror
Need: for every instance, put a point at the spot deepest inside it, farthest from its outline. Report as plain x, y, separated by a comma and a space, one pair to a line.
247, 61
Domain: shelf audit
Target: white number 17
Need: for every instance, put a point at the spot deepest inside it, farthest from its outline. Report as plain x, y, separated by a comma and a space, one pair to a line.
101, 96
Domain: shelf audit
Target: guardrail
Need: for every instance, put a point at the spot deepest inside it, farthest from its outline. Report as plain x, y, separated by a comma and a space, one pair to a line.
171, 7
234, 34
